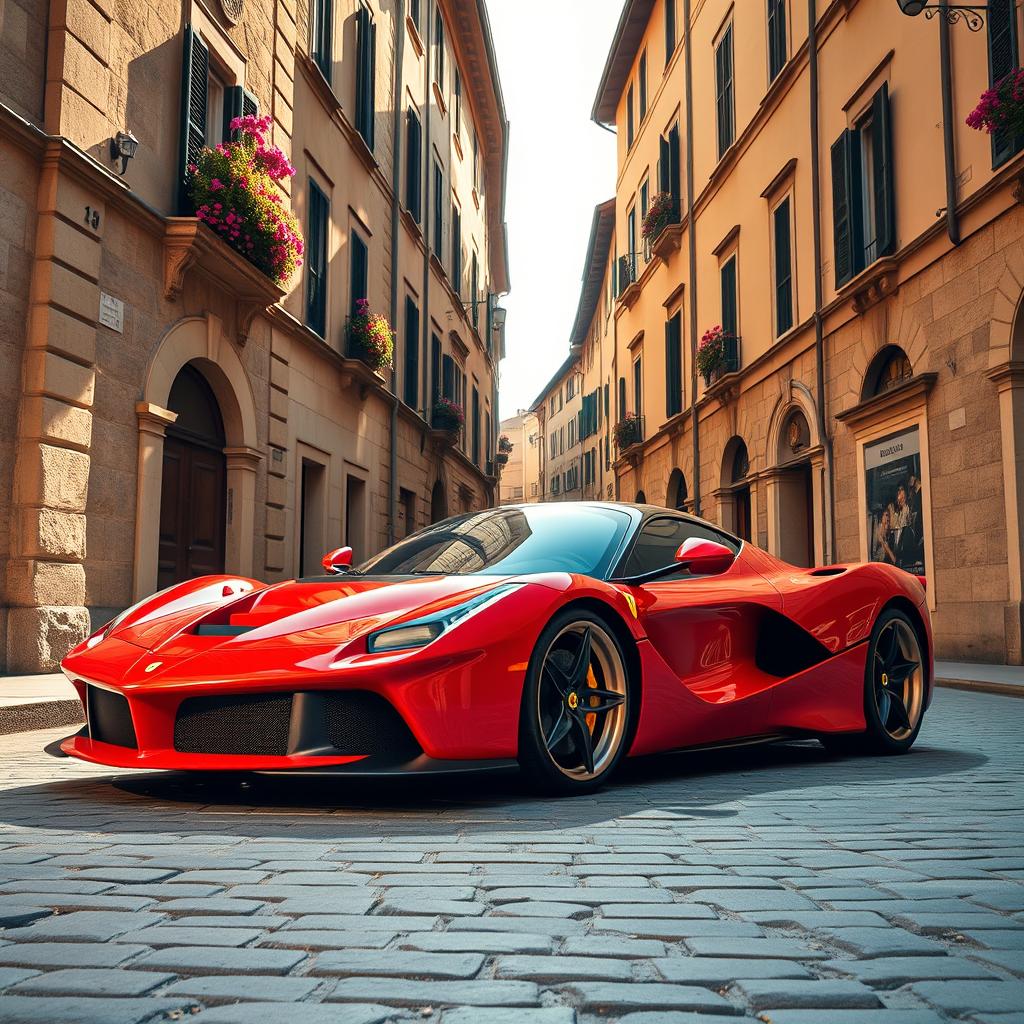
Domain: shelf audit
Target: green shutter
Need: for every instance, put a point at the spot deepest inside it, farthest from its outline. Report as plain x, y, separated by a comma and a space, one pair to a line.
366, 60
238, 102
323, 36
1002, 59
885, 207
783, 270
316, 260
359, 269
673, 366
195, 71
413, 167
728, 278
411, 388
842, 208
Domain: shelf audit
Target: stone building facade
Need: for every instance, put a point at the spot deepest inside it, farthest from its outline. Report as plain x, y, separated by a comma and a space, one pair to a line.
520, 476
169, 410
864, 261
557, 409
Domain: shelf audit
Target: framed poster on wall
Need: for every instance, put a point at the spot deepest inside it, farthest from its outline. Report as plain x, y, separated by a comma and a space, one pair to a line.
894, 492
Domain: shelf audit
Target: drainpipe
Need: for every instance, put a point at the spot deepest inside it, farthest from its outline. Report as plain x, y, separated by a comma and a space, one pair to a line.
396, 186
828, 488
949, 145
691, 238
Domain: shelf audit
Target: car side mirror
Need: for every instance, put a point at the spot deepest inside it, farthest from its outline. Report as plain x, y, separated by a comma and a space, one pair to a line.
337, 561
704, 557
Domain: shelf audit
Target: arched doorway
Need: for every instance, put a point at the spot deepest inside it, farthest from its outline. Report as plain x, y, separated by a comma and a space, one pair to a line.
676, 496
641, 498
795, 489
438, 502
193, 493
737, 472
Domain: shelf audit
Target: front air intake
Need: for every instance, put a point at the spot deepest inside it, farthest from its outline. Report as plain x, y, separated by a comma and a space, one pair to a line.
109, 718
247, 723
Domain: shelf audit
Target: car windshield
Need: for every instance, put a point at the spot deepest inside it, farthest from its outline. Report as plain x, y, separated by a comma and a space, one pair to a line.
509, 542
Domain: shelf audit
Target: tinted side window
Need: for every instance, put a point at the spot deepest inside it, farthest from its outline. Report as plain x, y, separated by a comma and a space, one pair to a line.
659, 540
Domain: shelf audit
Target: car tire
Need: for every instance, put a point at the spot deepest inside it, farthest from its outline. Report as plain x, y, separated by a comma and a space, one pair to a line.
579, 705
895, 678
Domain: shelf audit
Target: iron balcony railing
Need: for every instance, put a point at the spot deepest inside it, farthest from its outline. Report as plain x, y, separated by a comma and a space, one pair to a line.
731, 360
627, 272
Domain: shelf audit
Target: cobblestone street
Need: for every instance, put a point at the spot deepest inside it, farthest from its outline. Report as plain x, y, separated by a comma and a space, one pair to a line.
772, 883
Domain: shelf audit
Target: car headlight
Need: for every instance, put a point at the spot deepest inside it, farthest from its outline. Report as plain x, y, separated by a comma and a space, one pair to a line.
426, 629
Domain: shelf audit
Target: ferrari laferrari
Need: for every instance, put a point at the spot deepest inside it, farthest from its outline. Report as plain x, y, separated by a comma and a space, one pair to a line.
559, 637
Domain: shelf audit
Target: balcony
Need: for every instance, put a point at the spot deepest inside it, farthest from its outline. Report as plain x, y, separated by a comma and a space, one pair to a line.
629, 277
721, 382
668, 237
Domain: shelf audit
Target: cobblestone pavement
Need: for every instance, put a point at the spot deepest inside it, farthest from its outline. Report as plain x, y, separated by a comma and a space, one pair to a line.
772, 883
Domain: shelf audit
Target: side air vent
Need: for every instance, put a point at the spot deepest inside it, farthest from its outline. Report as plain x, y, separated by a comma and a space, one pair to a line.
110, 718
783, 648
828, 570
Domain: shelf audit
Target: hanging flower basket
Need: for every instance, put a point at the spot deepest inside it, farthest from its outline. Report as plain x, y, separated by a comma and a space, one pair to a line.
711, 353
628, 431
1001, 108
447, 415
371, 338
234, 188
501, 458
505, 445
659, 216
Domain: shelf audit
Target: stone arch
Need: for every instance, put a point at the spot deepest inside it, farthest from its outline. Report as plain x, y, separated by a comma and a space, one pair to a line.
1006, 326
677, 493
796, 396
198, 341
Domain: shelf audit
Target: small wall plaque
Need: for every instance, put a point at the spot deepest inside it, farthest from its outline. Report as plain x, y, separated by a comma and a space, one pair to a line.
112, 312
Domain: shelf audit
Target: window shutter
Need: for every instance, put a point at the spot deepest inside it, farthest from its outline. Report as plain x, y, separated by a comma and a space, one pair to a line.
622, 398
371, 85
413, 167
238, 102
448, 378
885, 207
776, 36
783, 270
673, 366
359, 269
366, 35
670, 29
476, 427
675, 186
323, 36
728, 276
316, 261
664, 165
1002, 59
195, 71
435, 367
842, 208
411, 389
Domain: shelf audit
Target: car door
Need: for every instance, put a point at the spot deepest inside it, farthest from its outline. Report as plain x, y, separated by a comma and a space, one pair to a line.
705, 628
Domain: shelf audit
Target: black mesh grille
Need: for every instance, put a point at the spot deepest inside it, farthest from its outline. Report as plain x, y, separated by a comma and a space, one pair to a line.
247, 723
359, 722
110, 718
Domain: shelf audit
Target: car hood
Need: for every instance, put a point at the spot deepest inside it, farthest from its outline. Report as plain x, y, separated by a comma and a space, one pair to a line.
326, 611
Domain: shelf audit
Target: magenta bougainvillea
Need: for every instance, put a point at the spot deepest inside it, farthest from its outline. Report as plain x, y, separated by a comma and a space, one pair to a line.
659, 216
448, 415
1001, 108
711, 351
235, 191
372, 337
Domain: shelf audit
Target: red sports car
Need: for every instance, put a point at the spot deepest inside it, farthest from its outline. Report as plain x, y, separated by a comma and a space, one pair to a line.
559, 637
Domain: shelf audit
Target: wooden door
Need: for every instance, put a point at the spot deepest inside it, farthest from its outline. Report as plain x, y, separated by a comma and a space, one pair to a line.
192, 512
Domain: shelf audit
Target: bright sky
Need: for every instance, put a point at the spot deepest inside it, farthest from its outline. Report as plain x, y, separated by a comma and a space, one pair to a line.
561, 165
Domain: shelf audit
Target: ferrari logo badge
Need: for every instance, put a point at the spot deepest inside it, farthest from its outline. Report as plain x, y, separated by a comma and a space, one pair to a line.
631, 601
574, 701
153, 666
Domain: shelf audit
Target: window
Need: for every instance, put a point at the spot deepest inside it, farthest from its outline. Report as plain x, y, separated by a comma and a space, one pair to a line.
572, 432
411, 388
783, 268
458, 101
1003, 57
724, 99
668, 165
216, 126
414, 13
476, 425
670, 29
438, 210
642, 74
570, 388
727, 272
439, 48
366, 74
322, 36
622, 398
359, 272
630, 121
659, 539
449, 384
863, 207
474, 284
888, 370
318, 222
457, 249
435, 367
674, 365
638, 385
413, 166
777, 53
645, 197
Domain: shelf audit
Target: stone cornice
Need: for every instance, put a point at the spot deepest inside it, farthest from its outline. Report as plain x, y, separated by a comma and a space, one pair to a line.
912, 393
1007, 376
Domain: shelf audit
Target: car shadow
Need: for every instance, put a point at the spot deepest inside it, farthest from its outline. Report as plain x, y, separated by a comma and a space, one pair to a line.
705, 785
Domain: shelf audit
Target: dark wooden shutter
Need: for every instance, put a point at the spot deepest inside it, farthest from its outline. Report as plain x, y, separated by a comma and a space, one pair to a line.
642, 72
673, 366
842, 208
448, 380
359, 269
435, 367
622, 398
323, 36
776, 36
881, 144
195, 71
411, 388
670, 29
456, 250
366, 60
724, 91
783, 269
414, 167
1002, 59
238, 102
674, 182
475, 285
476, 427
664, 164
316, 261
638, 385
728, 277
630, 118
438, 211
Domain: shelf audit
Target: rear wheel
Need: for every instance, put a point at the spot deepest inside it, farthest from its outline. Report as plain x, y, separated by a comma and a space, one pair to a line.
894, 691
578, 708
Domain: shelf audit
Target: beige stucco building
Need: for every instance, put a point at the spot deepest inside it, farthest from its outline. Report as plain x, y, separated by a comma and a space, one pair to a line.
169, 411
864, 255
520, 476
557, 409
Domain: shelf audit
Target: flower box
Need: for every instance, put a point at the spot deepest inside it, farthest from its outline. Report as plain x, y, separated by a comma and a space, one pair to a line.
629, 431
717, 355
370, 338
447, 416
1000, 110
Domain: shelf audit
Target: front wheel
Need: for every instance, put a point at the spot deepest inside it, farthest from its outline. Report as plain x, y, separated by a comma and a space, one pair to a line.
578, 706
894, 691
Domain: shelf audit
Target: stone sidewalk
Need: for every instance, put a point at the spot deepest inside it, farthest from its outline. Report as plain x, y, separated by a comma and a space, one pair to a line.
775, 884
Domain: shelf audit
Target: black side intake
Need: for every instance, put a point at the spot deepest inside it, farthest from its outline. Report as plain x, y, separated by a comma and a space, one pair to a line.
109, 718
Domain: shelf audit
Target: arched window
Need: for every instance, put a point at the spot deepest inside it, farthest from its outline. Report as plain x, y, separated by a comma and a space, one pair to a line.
641, 498
740, 463
676, 496
888, 370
